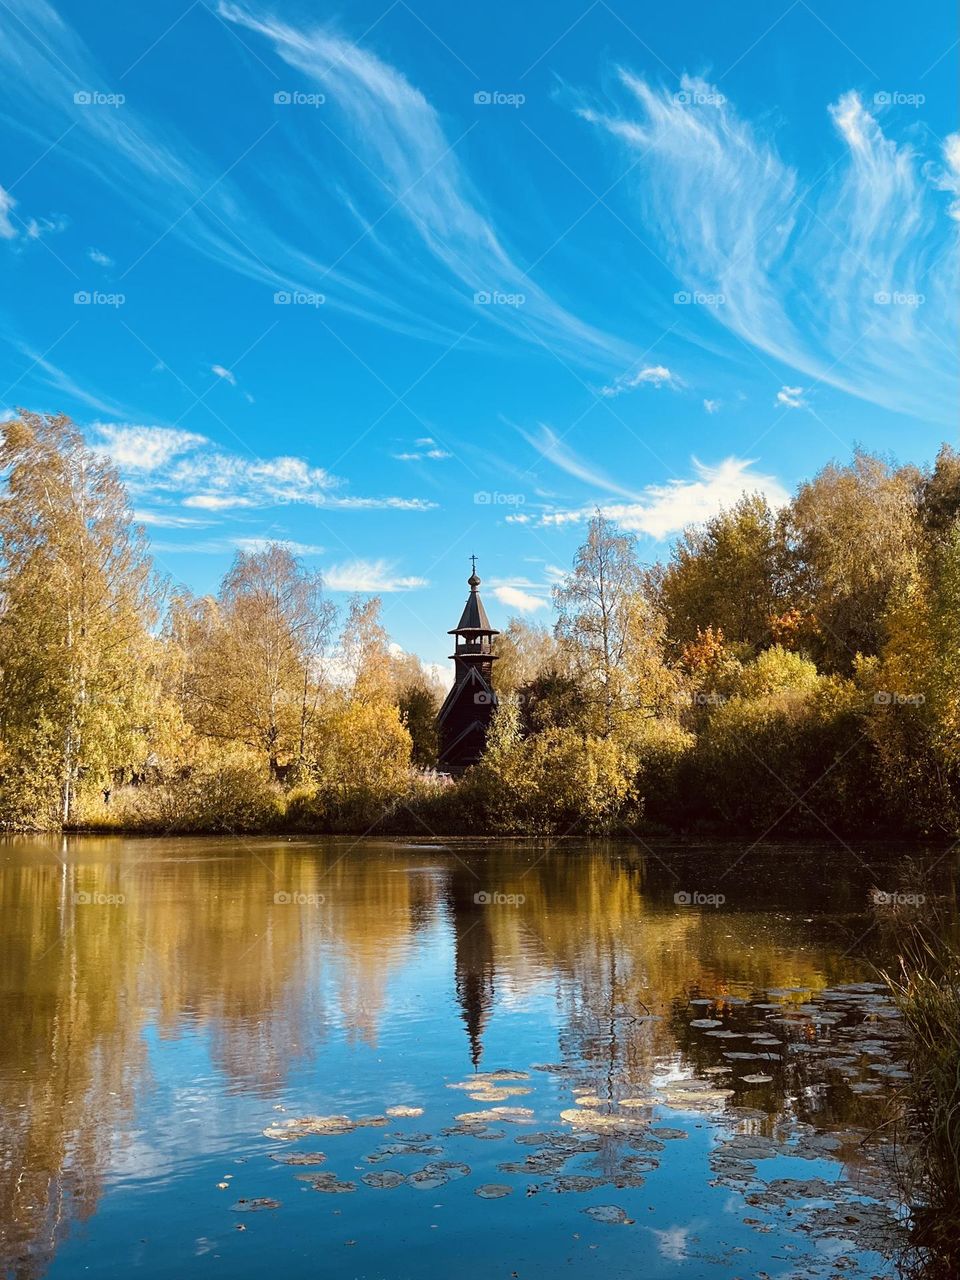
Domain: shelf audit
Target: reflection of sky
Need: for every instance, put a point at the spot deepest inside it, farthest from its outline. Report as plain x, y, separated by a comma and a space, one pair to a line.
361, 1011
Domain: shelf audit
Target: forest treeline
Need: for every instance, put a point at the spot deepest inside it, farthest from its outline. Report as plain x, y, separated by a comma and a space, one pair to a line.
784, 672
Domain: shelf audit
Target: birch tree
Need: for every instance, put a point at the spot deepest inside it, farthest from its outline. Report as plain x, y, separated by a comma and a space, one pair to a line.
77, 600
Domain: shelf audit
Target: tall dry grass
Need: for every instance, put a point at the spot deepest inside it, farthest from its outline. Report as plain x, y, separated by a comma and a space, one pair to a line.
927, 992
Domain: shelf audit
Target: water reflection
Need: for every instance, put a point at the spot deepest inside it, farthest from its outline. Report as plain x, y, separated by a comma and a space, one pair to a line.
286, 958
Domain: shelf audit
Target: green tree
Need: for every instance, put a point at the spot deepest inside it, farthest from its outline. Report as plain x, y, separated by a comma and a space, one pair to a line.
726, 574
852, 536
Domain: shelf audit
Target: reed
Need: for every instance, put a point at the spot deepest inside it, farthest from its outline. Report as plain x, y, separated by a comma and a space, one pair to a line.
927, 992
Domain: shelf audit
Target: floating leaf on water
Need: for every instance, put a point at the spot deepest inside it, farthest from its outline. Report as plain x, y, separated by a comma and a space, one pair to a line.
870, 1226
427, 1179
611, 1213
756, 1079
576, 1182
493, 1191
452, 1168
492, 1094
588, 1100
514, 1115
289, 1130
706, 1022
255, 1205
384, 1180
328, 1183
665, 1133
585, 1118
638, 1102
403, 1112
298, 1157
392, 1149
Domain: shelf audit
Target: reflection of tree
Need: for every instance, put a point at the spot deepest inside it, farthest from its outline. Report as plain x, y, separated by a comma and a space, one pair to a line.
70, 1056
198, 943
201, 943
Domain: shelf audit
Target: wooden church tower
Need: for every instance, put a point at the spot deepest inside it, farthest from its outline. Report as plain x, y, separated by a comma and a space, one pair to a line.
469, 706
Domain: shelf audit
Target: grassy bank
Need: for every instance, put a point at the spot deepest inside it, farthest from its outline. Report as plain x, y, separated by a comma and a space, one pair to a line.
927, 992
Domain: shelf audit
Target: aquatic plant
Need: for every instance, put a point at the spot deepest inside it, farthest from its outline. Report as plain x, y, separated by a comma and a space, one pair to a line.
927, 992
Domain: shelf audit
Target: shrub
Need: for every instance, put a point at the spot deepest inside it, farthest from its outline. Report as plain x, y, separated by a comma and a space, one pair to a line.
229, 794
927, 992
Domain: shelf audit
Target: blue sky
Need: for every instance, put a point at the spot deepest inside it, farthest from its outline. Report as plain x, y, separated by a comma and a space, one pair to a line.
398, 282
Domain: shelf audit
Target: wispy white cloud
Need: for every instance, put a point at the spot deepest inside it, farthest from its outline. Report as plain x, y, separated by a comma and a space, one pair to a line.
252, 545
791, 397
7, 230
655, 375
517, 598
549, 445
712, 406
426, 450
373, 577
664, 509
40, 367
399, 137
850, 281
226, 374
138, 448
100, 258
168, 520
173, 464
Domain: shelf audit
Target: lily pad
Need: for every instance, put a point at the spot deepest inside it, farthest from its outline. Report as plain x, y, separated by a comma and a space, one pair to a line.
298, 1157
255, 1205
385, 1180
427, 1179
611, 1213
493, 1191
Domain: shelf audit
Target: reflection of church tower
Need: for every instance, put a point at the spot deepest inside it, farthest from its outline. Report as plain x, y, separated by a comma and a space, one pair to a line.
468, 708
474, 965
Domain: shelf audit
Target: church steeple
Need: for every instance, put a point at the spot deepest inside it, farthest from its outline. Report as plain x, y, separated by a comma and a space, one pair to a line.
465, 715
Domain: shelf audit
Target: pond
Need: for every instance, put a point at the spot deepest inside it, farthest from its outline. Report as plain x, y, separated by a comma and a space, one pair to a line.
409, 1060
